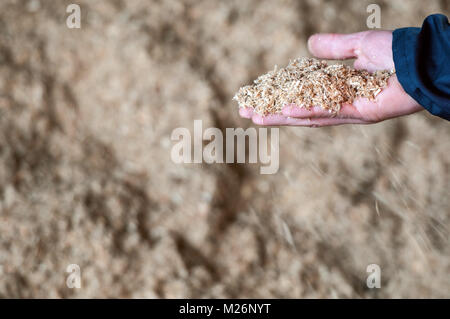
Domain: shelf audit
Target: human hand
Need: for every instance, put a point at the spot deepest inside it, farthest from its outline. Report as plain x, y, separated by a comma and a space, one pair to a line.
373, 51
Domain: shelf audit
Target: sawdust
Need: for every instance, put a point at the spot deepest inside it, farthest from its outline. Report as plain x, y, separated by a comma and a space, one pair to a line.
86, 178
308, 82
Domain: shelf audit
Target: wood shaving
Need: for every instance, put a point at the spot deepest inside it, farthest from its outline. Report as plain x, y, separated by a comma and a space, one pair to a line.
308, 82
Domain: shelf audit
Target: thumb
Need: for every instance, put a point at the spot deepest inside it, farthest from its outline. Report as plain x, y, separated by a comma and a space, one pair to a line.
336, 46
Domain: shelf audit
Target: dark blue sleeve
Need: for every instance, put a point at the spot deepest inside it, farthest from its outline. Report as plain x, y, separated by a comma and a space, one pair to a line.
422, 63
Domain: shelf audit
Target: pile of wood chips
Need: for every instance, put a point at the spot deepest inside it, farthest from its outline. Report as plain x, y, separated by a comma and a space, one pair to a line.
308, 82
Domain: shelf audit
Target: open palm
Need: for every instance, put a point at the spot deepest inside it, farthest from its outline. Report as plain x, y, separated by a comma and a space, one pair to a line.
373, 51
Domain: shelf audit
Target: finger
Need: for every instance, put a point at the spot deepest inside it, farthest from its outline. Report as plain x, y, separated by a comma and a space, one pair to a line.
293, 110
321, 122
269, 120
346, 111
280, 120
246, 112
335, 46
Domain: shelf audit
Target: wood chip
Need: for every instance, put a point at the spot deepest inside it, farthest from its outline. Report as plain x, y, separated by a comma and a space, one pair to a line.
308, 82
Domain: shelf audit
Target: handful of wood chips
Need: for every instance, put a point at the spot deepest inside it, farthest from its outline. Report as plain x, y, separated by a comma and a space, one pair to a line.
308, 82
